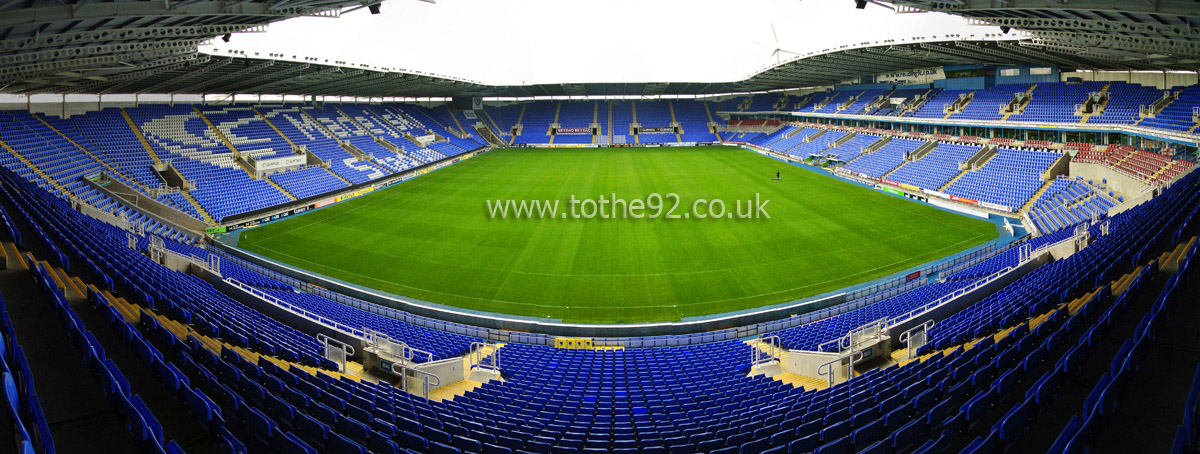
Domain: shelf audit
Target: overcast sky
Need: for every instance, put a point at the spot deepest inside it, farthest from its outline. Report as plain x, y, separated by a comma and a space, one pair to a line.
555, 41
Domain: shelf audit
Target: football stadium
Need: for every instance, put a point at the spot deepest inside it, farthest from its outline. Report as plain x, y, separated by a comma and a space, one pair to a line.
534, 227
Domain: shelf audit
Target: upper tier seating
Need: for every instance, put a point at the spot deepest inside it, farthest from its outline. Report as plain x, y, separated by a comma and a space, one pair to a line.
987, 103
50, 152
247, 132
1178, 115
905, 94
302, 130
109, 138
935, 107
1124, 101
762, 102
1056, 102
866, 97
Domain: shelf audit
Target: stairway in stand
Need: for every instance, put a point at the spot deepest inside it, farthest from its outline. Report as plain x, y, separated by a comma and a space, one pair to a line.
114, 170
671, 107
557, 110
38, 170
633, 105
137, 132
1042, 190
459, 388
952, 180
1028, 97
1084, 118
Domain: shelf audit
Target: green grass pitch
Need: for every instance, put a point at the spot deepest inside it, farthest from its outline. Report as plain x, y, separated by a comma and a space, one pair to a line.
431, 238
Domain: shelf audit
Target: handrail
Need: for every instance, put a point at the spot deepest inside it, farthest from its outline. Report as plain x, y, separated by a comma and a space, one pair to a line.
826, 369
397, 348
906, 337
349, 349
340, 351
847, 340
297, 310
758, 356
893, 321
413, 351
436, 382
477, 357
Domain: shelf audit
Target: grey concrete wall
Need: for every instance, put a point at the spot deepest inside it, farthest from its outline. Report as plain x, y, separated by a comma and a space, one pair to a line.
289, 318
806, 363
1124, 184
148, 206
957, 304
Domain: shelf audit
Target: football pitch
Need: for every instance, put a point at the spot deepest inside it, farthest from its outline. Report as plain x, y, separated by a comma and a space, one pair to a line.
434, 237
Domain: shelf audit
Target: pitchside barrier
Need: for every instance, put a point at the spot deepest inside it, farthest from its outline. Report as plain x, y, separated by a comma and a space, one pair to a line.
507, 328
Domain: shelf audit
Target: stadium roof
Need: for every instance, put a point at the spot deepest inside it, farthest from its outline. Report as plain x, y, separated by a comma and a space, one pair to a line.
1165, 32
151, 47
85, 46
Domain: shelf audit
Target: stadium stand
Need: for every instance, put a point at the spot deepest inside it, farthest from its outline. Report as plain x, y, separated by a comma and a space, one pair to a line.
1179, 114
653, 115
693, 118
936, 106
1008, 179
762, 102
1068, 202
884, 160
31, 432
305, 132
576, 115
613, 400
1124, 101
534, 412
852, 147
935, 169
535, 123
1056, 103
308, 182
987, 103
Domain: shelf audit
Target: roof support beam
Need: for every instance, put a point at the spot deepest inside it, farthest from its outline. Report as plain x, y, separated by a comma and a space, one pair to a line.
188, 75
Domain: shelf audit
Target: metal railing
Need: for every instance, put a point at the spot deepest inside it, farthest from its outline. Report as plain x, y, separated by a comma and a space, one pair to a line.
759, 357
428, 380
915, 337
296, 310
335, 350
870, 329
893, 321
827, 369
478, 358
399, 349
1026, 255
